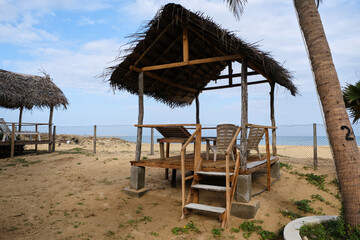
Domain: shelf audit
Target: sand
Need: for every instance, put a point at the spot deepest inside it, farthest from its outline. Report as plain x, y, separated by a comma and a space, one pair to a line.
75, 194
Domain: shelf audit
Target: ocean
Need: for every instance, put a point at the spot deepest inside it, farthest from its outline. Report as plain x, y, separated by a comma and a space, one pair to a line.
280, 140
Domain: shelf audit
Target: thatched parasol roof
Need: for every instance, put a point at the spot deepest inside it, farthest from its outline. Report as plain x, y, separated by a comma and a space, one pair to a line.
160, 42
29, 91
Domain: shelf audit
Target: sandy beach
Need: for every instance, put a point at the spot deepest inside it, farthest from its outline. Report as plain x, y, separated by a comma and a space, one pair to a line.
76, 194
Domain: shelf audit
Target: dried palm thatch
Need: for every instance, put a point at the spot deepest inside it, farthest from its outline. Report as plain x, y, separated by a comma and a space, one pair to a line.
29, 91
160, 42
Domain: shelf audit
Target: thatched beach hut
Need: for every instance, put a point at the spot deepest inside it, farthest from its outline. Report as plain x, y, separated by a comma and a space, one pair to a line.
29, 91
25, 91
173, 58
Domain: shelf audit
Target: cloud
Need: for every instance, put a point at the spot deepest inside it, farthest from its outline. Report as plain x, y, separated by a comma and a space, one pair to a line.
12, 10
23, 32
76, 68
87, 21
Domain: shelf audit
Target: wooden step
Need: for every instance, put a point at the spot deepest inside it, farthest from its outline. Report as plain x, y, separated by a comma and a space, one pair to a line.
209, 187
207, 208
220, 174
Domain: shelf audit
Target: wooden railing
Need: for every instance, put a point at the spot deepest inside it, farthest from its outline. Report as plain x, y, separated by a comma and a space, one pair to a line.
230, 191
36, 125
197, 161
267, 144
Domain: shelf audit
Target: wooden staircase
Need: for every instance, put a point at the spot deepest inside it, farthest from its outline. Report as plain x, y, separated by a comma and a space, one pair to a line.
192, 200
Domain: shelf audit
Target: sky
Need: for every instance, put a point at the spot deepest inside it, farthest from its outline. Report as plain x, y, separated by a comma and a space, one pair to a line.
76, 40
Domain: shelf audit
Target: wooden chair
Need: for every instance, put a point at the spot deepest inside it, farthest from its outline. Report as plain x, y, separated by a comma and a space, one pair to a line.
254, 138
174, 132
7, 133
224, 135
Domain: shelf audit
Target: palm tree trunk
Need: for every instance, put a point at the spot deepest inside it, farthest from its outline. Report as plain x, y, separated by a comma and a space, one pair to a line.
342, 141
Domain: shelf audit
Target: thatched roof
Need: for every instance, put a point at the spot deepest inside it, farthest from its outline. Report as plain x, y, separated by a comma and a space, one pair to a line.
29, 91
206, 39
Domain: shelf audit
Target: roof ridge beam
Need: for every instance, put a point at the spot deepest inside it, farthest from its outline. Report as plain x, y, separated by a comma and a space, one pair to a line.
235, 85
191, 62
164, 80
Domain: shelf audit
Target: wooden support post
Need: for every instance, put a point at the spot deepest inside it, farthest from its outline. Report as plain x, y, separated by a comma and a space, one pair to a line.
197, 157
230, 73
50, 126
140, 117
197, 110
167, 150
162, 156
185, 45
36, 130
12, 150
54, 138
94, 143
20, 118
315, 145
152, 142
268, 159
228, 194
244, 115
272, 116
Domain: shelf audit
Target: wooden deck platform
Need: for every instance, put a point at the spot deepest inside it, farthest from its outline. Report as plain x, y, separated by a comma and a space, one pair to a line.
174, 162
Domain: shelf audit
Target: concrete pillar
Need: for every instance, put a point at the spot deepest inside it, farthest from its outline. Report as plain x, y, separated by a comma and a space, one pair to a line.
243, 188
137, 178
275, 170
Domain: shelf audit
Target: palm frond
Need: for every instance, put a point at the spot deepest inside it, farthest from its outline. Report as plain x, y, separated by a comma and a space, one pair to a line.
236, 7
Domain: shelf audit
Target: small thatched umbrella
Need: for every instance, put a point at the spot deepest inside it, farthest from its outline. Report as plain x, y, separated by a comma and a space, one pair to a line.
29, 91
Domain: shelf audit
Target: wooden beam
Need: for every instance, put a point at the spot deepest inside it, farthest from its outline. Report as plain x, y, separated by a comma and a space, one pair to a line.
164, 80
140, 117
234, 85
268, 164
191, 62
167, 49
197, 110
250, 64
20, 118
230, 71
272, 116
244, 115
50, 126
12, 148
185, 45
151, 45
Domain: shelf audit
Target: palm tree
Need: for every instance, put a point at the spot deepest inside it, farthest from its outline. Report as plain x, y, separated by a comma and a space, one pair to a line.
352, 100
342, 141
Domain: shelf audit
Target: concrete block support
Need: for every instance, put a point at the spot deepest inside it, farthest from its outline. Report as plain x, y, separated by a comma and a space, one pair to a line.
275, 170
245, 210
243, 188
137, 178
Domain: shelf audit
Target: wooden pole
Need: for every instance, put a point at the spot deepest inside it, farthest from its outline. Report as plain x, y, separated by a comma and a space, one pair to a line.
20, 118
244, 115
36, 130
272, 116
53, 140
50, 126
140, 117
315, 145
12, 150
230, 73
197, 154
94, 147
197, 110
185, 45
268, 159
152, 142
